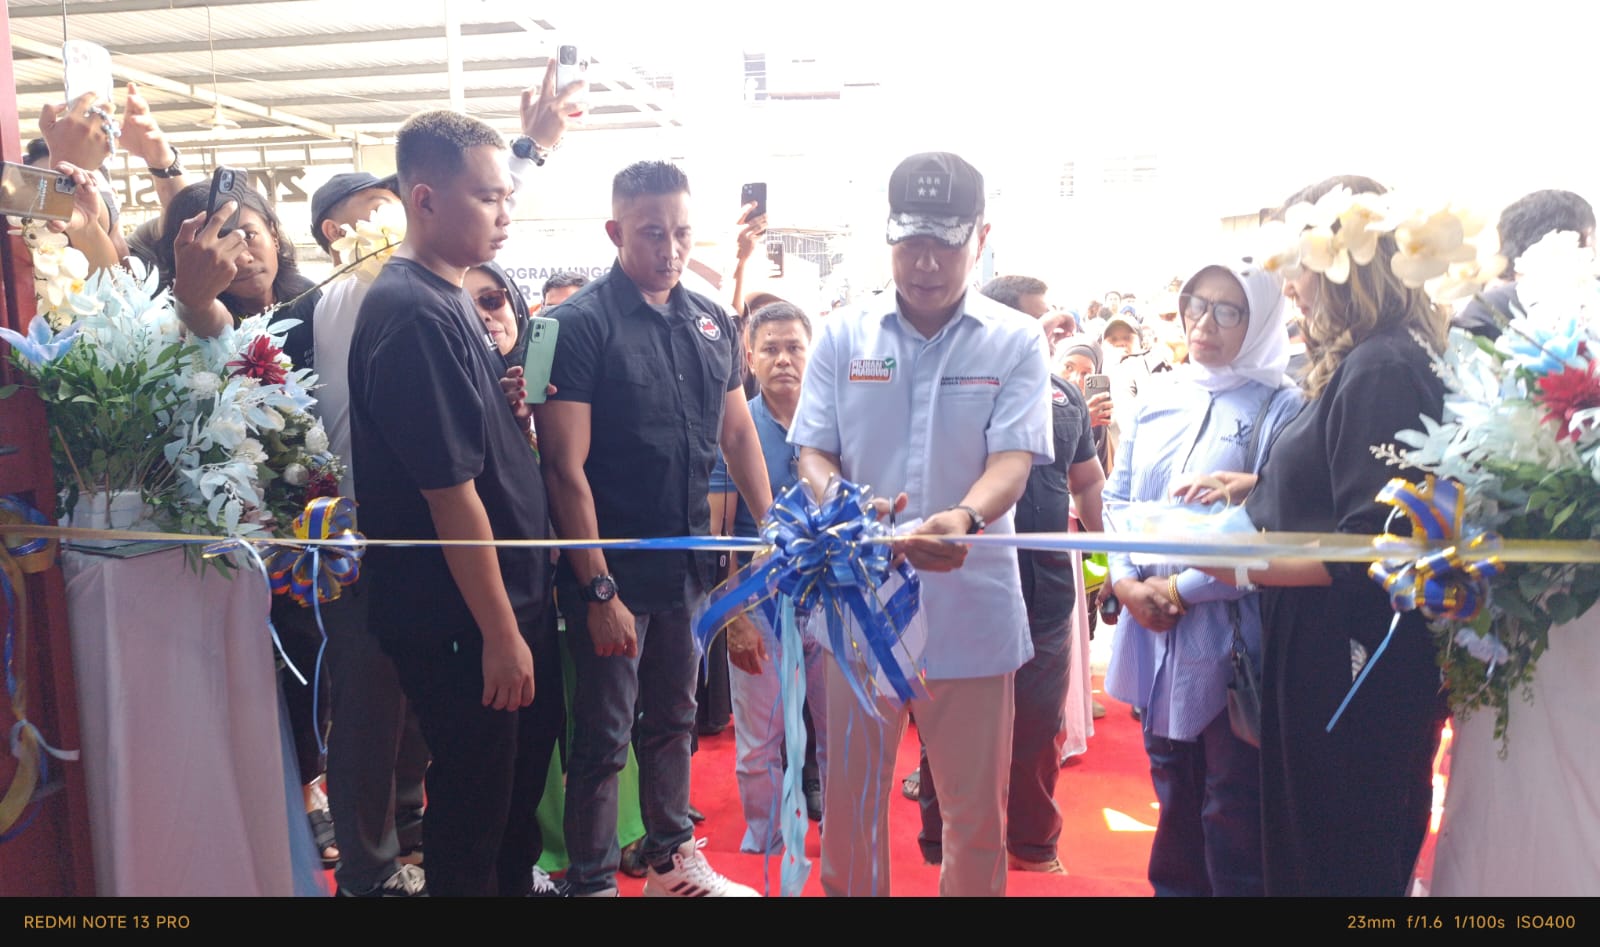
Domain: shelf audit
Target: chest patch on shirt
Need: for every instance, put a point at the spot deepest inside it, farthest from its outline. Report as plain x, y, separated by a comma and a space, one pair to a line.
872, 369
1058, 396
708, 327
969, 381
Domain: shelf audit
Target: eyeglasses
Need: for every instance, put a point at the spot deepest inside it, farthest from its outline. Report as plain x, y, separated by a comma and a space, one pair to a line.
1225, 315
492, 299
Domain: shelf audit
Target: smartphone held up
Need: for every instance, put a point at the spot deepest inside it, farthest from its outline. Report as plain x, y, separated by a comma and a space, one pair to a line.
38, 193
572, 65
755, 193
226, 185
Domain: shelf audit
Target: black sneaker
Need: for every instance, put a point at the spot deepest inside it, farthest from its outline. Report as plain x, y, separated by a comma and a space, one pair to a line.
545, 886
407, 882
813, 791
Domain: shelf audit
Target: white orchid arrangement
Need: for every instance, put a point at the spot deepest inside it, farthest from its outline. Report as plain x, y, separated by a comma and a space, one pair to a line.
1521, 434
1442, 248
215, 433
369, 243
60, 273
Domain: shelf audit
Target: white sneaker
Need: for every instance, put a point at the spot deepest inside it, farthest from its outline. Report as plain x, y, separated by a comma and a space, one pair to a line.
692, 876
545, 886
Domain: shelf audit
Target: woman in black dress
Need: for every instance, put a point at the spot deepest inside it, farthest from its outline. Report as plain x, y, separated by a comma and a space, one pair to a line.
1345, 813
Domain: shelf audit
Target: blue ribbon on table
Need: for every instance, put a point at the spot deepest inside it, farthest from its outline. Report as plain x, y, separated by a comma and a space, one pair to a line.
1451, 584
830, 557
311, 575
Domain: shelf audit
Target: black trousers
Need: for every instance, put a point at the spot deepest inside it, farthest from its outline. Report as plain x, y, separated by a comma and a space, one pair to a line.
376, 754
489, 766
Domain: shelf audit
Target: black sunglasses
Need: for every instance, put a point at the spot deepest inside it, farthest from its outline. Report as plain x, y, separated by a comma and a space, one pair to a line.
491, 299
1226, 315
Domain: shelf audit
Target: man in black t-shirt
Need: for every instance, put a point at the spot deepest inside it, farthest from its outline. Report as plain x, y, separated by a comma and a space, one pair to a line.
648, 381
437, 454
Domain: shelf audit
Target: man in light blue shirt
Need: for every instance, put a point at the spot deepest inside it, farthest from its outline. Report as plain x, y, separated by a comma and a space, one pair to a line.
777, 342
939, 398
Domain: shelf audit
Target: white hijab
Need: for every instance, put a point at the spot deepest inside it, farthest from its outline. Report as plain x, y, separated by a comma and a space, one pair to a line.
1264, 356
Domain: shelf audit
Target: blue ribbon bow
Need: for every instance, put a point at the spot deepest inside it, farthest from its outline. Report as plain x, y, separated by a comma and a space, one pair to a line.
830, 556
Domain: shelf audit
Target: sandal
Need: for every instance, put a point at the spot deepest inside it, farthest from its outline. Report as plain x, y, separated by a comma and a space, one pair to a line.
911, 786
322, 832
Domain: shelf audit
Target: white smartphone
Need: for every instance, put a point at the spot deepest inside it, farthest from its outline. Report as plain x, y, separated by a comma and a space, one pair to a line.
572, 64
541, 354
86, 67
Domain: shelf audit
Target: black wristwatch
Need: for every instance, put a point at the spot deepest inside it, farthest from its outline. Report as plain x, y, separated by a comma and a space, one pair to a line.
173, 170
976, 523
601, 588
528, 150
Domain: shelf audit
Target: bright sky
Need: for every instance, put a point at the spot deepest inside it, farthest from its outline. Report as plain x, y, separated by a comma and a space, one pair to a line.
1241, 101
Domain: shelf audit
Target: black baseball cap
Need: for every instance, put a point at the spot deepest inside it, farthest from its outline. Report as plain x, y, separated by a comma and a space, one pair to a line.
935, 194
339, 187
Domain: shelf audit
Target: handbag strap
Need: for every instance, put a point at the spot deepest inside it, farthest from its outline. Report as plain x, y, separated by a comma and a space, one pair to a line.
1239, 647
1255, 431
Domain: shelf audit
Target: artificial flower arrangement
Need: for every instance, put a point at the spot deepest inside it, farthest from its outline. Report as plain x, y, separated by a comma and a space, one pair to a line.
215, 434
1521, 425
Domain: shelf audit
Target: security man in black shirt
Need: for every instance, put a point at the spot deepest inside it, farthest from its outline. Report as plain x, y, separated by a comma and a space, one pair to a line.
648, 380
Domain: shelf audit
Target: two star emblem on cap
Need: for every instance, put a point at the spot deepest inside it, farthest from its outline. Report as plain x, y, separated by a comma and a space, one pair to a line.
928, 185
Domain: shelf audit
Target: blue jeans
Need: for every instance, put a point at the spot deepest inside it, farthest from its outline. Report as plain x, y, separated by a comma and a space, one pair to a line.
661, 682
758, 734
1208, 837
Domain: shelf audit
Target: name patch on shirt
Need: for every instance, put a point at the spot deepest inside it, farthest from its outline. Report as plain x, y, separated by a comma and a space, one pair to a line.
969, 381
872, 369
708, 327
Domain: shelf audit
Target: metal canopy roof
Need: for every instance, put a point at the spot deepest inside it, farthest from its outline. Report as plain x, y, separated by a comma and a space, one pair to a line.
301, 70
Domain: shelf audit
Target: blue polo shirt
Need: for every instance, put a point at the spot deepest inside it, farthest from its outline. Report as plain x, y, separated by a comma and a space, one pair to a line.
781, 470
922, 415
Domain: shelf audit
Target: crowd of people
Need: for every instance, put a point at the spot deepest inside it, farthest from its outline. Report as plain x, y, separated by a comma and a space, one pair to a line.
967, 408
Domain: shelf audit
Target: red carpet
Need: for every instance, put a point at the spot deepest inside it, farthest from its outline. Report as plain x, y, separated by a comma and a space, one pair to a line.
1104, 795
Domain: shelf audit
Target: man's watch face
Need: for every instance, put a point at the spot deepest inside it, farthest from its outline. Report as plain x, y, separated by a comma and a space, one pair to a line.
603, 588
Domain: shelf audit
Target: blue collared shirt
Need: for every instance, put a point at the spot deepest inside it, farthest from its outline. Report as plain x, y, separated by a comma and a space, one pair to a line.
1180, 677
781, 470
922, 415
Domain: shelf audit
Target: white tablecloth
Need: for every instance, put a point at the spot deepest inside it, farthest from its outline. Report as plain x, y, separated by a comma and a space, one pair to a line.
182, 744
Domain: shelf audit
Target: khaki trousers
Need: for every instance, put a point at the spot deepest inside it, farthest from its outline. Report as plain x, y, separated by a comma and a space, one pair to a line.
966, 726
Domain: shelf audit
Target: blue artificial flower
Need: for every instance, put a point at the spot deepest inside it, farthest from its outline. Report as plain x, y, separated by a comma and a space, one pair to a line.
41, 346
1542, 348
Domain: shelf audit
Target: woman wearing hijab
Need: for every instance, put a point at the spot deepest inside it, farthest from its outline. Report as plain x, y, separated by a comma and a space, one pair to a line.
1172, 655
501, 307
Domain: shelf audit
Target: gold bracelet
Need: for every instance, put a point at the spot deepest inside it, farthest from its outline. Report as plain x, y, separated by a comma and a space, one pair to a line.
1172, 593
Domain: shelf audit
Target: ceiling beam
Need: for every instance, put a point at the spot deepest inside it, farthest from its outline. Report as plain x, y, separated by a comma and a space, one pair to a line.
418, 96
119, 6
534, 67
203, 94
241, 43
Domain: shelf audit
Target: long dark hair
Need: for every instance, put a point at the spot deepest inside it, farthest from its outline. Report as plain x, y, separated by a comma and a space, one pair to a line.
191, 201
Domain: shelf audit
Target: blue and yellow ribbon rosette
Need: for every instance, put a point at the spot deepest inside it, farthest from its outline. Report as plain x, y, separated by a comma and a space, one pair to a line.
319, 572
1450, 584
21, 555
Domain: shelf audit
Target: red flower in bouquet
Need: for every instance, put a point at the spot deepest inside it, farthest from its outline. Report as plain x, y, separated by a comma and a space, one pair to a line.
1567, 392
322, 484
259, 360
